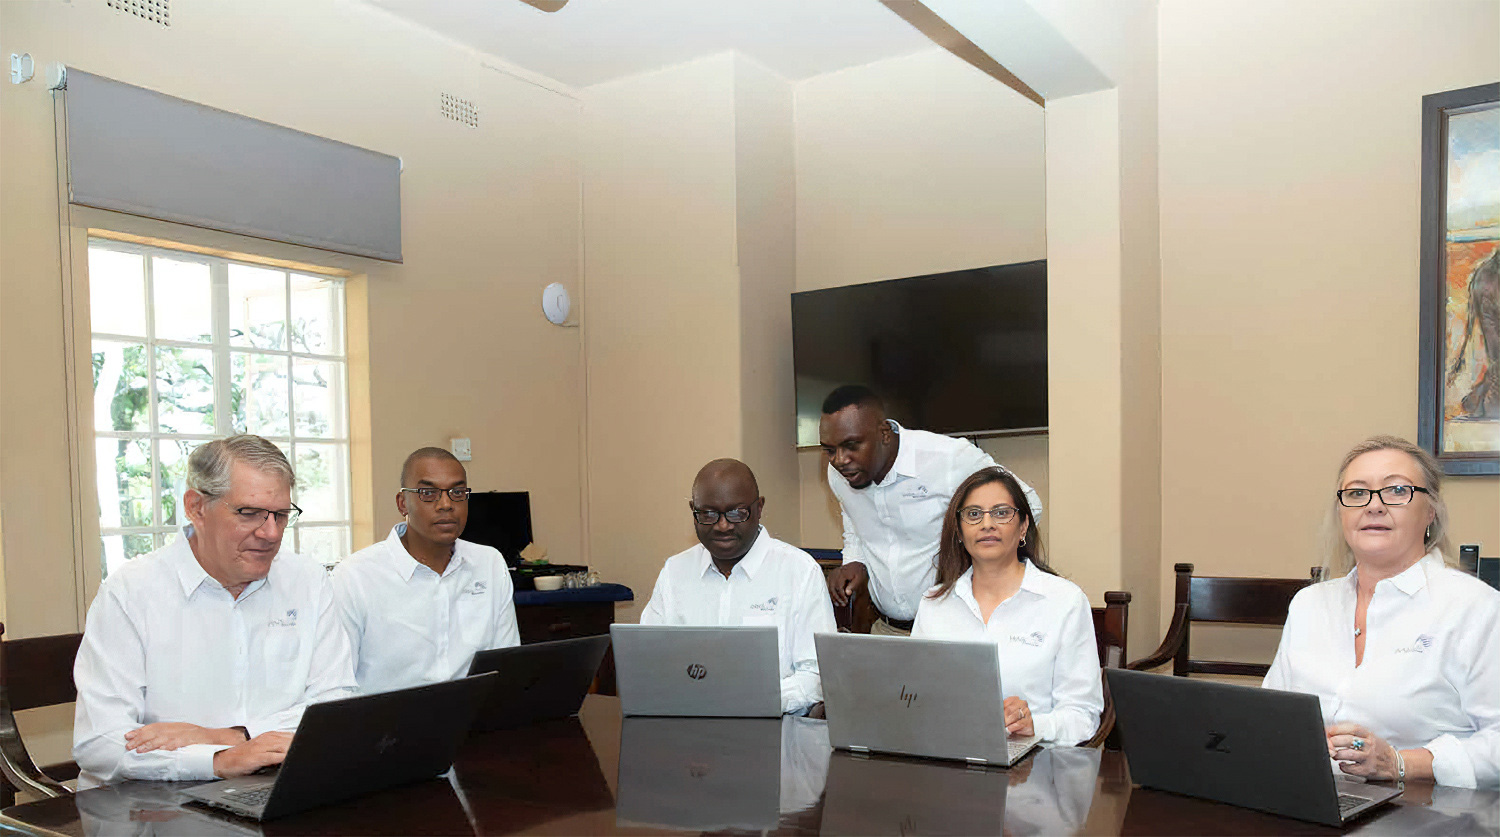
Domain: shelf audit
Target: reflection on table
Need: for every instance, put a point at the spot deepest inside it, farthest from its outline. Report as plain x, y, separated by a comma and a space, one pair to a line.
601, 774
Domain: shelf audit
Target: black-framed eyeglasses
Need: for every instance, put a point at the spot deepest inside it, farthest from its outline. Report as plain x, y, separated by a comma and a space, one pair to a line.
1391, 495
429, 494
253, 518
974, 515
709, 517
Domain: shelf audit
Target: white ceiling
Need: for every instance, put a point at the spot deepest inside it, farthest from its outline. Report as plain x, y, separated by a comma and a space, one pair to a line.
592, 41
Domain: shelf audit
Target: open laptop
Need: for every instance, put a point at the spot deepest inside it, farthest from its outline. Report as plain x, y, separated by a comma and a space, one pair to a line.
537, 682
916, 697
1244, 745
701, 774
695, 671
346, 748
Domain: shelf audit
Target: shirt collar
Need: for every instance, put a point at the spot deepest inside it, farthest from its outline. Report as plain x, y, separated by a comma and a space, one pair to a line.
750, 564
190, 573
404, 564
906, 457
1031, 582
1409, 580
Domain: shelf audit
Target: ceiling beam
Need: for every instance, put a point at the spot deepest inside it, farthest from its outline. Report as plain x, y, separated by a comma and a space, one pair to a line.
941, 33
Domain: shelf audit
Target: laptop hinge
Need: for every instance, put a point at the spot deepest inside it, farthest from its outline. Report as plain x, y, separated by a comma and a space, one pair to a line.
858, 750
973, 762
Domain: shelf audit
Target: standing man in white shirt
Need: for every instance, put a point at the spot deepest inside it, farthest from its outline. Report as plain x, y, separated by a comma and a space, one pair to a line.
740, 575
198, 659
420, 603
893, 486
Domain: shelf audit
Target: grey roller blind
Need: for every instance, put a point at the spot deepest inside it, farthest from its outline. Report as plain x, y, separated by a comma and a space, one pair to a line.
138, 151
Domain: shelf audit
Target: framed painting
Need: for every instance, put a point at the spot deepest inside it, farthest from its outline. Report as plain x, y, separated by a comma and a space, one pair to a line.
1458, 409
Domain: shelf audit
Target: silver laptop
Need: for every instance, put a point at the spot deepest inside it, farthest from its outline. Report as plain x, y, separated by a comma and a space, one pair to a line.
346, 748
916, 697
693, 671
1244, 745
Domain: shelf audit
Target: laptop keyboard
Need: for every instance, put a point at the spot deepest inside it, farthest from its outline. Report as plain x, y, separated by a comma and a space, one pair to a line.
252, 797
1348, 802
1014, 749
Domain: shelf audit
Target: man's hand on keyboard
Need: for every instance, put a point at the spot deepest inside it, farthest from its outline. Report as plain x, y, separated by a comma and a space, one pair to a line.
263, 750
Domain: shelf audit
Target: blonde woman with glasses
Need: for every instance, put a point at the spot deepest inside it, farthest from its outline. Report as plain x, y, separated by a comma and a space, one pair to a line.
994, 585
1401, 648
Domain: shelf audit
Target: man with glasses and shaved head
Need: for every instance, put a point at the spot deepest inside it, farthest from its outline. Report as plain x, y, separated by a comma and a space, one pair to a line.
419, 604
198, 659
740, 575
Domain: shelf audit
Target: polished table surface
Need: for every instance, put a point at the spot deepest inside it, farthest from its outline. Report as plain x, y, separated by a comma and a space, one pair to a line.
600, 774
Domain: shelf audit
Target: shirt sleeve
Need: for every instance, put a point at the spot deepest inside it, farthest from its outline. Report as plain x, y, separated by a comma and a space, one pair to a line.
813, 614
655, 611
507, 630
330, 674
1077, 691
854, 548
351, 611
1473, 669
110, 674
1280, 674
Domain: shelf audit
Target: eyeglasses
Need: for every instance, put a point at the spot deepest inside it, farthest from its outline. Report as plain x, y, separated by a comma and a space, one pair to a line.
974, 515
428, 494
1391, 495
709, 517
253, 518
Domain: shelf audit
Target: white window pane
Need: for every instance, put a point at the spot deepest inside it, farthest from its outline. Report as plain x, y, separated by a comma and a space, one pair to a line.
121, 548
117, 292
123, 469
258, 394
183, 298
171, 458
319, 398
121, 390
184, 390
327, 544
322, 474
257, 307
317, 315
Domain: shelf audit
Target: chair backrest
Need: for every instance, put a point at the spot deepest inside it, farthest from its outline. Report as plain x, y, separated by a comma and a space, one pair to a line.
33, 673
1227, 600
1110, 625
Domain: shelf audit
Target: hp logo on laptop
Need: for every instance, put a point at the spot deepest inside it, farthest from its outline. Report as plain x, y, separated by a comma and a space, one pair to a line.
907, 697
697, 671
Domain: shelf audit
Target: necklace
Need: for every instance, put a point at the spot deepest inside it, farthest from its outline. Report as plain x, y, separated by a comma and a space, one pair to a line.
1358, 631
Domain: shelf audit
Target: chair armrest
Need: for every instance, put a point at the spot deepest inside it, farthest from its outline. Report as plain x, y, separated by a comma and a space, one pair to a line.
19, 771
1169, 644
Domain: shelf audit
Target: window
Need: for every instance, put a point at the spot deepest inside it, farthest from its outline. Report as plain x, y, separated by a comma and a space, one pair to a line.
188, 348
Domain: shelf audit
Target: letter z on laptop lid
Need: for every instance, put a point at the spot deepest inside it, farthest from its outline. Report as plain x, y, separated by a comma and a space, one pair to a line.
1257, 748
697, 671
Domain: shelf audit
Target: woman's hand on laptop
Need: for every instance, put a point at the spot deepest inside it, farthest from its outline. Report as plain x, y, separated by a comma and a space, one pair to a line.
264, 750
169, 735
1018, 717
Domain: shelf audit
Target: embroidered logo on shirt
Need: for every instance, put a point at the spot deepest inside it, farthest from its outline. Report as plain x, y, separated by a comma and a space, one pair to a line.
478, 589
1033, 639
767, 606
916, 492
1422, 643
288, 621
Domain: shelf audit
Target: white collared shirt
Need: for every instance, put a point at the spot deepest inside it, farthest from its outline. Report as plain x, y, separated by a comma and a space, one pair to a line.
893, 526
1044, 636
409, 626
165, 642
774, 584
1430, 676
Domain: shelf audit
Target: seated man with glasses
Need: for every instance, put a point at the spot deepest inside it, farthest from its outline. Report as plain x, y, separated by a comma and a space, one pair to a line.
740, 575
420, 603
198, 659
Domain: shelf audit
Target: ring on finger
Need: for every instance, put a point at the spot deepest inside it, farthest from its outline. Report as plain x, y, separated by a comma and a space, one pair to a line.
1357, 744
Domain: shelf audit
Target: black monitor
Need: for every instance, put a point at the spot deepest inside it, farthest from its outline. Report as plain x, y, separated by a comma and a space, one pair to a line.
501, 519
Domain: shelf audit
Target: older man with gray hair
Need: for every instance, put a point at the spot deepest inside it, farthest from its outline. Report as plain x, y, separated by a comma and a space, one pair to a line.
198, 659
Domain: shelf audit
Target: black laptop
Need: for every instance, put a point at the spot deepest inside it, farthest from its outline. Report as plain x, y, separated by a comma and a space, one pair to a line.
350, 747
1257, 748
537, 682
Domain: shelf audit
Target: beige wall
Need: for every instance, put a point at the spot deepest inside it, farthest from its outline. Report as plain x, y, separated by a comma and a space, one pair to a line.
457, 343
913, 165
1290, 145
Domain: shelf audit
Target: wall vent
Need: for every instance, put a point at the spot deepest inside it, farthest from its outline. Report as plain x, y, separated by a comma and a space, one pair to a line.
460, 110
156, 11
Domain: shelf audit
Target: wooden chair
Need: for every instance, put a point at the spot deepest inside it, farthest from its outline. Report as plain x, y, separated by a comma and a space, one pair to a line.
1110, 624
1237, 601
33, 673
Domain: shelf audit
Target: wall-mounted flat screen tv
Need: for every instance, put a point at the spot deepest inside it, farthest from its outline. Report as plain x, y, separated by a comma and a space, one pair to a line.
962, 352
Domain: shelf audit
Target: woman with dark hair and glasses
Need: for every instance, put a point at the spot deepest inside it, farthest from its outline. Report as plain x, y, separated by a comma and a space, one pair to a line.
994, 585
1401, 648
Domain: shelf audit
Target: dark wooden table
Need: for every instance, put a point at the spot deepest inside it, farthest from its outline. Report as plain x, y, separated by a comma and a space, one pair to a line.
599, 775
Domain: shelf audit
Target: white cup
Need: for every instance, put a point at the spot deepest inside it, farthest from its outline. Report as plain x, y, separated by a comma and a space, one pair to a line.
549, 582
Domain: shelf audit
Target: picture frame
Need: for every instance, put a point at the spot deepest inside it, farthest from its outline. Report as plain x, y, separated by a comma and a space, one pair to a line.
1458, 405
